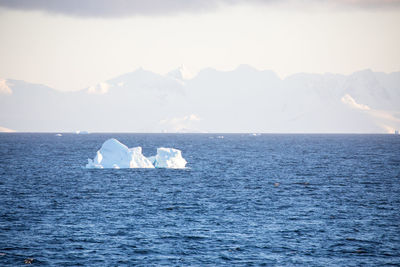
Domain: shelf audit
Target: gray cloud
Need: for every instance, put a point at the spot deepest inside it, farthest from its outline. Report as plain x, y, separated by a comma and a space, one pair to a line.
114, 8
125, 8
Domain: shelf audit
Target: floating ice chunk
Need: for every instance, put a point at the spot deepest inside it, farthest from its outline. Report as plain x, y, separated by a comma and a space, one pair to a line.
82, 132
114, 154
58, 134
115, 166
168, 158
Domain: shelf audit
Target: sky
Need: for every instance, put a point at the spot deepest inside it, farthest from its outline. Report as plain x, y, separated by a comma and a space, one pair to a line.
71, 45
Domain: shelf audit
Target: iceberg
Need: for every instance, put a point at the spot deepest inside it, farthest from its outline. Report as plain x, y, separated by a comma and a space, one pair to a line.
168, 158
114, 154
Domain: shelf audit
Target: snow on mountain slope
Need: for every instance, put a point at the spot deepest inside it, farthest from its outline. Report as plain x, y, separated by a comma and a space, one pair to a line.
242, 100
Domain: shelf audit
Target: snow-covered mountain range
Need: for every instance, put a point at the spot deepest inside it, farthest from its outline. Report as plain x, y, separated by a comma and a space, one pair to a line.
242, 100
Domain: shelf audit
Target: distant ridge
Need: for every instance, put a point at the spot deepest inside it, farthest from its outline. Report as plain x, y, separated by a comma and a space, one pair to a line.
241, 100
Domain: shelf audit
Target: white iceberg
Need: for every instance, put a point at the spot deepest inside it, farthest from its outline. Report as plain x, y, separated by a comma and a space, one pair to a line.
168, 158
116, 155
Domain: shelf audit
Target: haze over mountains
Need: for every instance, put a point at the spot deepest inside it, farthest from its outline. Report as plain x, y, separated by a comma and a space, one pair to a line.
242, 100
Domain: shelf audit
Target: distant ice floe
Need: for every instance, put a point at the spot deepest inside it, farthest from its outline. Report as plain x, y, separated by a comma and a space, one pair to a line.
114, 154
82, 132
58, 134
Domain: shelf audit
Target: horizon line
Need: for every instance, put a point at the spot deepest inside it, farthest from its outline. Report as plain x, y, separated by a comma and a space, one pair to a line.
205, 133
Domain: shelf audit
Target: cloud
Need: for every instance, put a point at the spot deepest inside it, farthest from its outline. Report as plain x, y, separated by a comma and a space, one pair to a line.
126, 8
180, 124
192, 117
385, 119
369, 3
388, 128
4, 89
113, 8
348, 100
99, 89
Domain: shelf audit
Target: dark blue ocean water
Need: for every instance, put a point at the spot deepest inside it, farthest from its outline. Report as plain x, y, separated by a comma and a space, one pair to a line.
273, 200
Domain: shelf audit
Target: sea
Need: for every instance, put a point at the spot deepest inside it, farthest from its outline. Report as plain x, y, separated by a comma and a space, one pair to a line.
243, 200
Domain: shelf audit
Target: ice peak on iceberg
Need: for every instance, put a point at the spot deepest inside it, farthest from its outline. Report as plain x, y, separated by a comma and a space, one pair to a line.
113, 144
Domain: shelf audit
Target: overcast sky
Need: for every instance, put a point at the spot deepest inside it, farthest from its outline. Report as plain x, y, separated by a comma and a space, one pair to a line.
70, 45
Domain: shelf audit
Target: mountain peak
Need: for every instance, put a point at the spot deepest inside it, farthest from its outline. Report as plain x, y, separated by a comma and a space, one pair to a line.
181, 73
